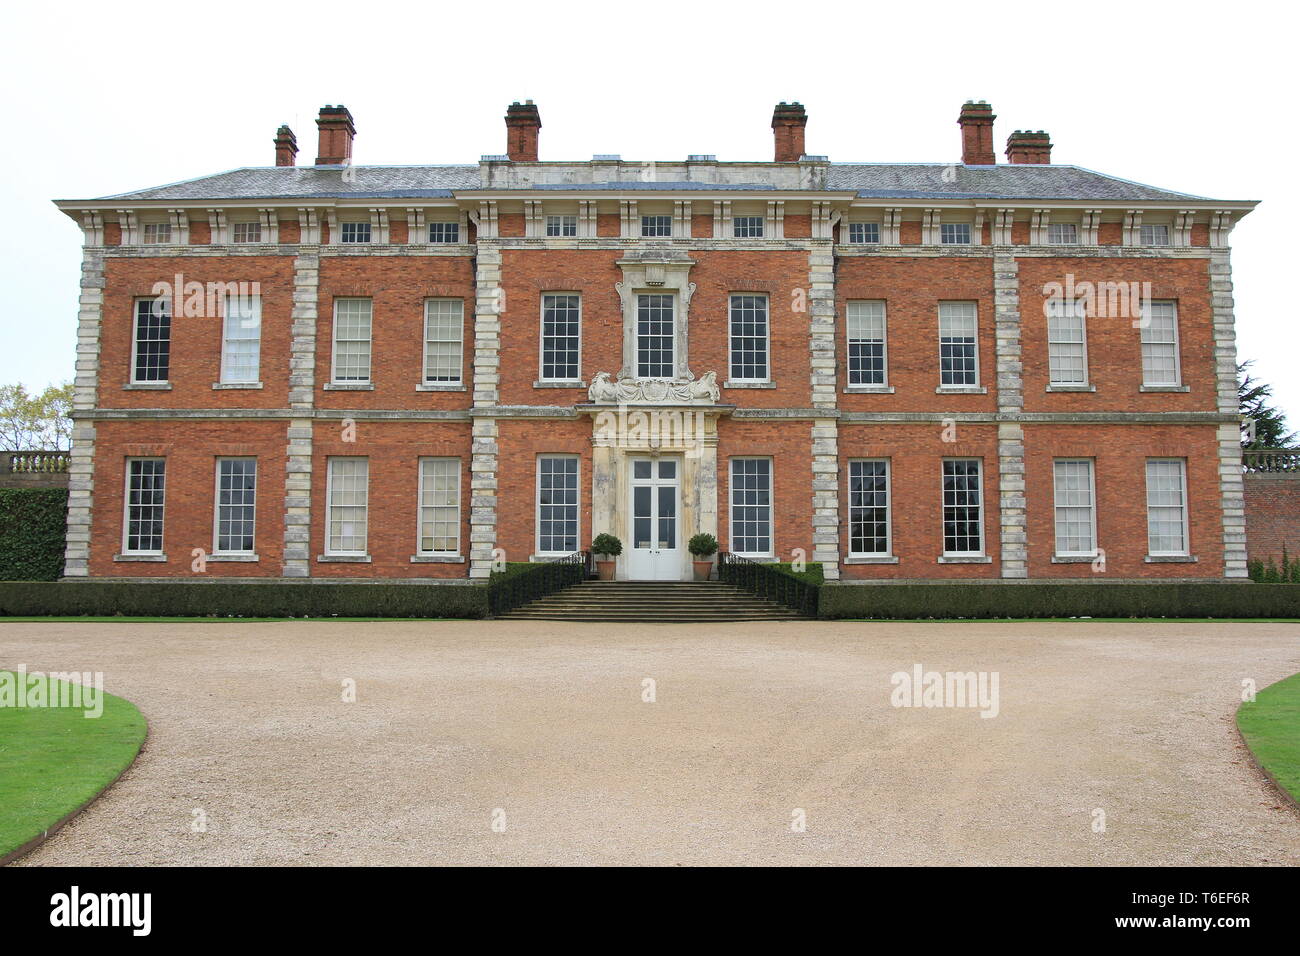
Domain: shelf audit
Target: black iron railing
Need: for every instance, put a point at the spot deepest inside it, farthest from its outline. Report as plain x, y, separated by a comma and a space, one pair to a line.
769, 582
513, 587
1256, 461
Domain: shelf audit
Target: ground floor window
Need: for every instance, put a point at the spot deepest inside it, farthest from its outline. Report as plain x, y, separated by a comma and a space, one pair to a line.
1166, 506
751, 506
1076, 532
439, 505
348, 498
869, 506
963, 513
145, 484
557, 504
236, 504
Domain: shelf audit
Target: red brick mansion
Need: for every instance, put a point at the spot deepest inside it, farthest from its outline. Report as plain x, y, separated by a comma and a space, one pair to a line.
973, 369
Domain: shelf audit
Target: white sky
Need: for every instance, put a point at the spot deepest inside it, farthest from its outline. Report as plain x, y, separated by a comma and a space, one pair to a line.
108, 97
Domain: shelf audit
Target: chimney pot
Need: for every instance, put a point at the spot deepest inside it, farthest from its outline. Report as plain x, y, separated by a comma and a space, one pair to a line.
1029, 146
336, 133
286, 147
523, 123
976, 122
788, 122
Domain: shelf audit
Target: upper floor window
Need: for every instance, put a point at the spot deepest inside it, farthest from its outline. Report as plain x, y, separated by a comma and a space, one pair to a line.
241, 345
157, 233
439, 506
246, 232
444, 232
864, 232
354, 232
1159, 328
954, 233
352, 318
561, 336
444, 321
567, 226
151, 356
1154, 234
958, 349
236, 505
655, 336
749, 338
747, 227
656, 226
869, 506
1166, 506
751, 506
865, 327
963, 509
1062, 233
145, 485
1067, 350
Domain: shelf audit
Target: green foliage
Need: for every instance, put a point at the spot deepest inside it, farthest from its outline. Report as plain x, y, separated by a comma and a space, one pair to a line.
1269, 572
606, 543
1270, 427
812, 572
261, 599
702, 545
32, 422
1034, 599
33, 526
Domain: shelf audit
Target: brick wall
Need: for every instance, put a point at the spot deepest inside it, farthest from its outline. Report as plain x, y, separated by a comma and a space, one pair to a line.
1272, 517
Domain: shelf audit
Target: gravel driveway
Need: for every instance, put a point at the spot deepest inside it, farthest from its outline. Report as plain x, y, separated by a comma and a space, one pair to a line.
482, 742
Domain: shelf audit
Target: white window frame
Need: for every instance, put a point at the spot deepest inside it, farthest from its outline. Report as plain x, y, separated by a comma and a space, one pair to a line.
163, 229
947, 228
537, 504
217, 550
356, 224
1078, 307
1063, 242
1092, 508
420, 507
982, 510
246, 224
659, 224
444, 223
673, 337
562, 223
849, 340
889, 509
864, 242
1184, 507
226, 379
541, 338
767, 338
460, 341
370, 345
771, 505
135, 341
1142, 239
329, 506
735, 227
1145, 325
975, 307
126, 508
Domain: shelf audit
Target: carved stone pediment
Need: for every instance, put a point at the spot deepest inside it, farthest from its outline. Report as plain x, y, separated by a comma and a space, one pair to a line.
606, 390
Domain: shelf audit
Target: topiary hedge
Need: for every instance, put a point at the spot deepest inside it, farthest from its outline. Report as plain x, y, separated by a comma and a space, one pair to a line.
240, 599
33, 525
1199, 599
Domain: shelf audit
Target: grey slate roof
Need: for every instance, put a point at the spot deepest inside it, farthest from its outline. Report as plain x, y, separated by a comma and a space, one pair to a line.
871, 181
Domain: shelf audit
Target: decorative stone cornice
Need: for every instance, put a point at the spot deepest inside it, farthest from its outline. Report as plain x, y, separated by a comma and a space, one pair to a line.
605, 390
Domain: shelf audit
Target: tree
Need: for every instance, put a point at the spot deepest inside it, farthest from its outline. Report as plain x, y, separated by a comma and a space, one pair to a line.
1269, 422
35, 422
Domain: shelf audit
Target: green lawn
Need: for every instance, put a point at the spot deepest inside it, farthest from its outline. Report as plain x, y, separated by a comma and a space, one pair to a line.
54, 759
1271, 727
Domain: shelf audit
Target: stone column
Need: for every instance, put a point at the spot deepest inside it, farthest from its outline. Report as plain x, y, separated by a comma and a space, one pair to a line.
1231, 483
302, 401
488, 306
1011, 435
825, 431
81, 460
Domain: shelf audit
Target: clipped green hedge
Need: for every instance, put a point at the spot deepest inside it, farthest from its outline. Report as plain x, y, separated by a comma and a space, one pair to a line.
240, 599
989, 599
33, 525
812, 572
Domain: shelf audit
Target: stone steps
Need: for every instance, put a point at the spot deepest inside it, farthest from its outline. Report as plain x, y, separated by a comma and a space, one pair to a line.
652, 602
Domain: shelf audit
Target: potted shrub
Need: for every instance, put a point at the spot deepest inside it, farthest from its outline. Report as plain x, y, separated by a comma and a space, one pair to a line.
606, 548
703, 547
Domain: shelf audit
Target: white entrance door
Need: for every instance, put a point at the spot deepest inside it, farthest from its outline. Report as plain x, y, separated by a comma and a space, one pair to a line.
656, 551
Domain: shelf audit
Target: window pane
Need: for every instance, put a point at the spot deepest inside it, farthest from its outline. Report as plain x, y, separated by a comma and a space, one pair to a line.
352, 340
560, 337
749, 337
443, 328
962, 511
1074, 507
440, 505
146, 478
656, 226
236, 504
242, 347
751, 505
349, 480
957, 344
354, 231
153, 339
1066, 357
444, 232
561, 226
866, 342
1160, 344
954, 233
747, 227
557, 505
869, 507
246, 232
655, 336
1166, 506
861, 232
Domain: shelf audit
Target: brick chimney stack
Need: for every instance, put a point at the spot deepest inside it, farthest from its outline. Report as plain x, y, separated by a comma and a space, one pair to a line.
976, 122
286, 147
788, 122
336, 132
523, 123
1027, 146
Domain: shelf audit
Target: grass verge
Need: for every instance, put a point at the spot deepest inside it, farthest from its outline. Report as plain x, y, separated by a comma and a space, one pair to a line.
1270, 725
55, 760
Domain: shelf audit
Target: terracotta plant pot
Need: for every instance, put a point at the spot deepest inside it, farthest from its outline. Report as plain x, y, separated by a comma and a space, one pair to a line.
605, 570
703, 569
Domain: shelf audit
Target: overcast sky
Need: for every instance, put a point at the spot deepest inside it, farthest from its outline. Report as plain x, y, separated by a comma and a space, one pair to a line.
104, 98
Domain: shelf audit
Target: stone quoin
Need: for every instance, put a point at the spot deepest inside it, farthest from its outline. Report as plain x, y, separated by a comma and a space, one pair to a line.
417, 371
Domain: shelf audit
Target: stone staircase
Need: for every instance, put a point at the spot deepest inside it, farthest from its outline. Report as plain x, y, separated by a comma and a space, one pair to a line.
665, 602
